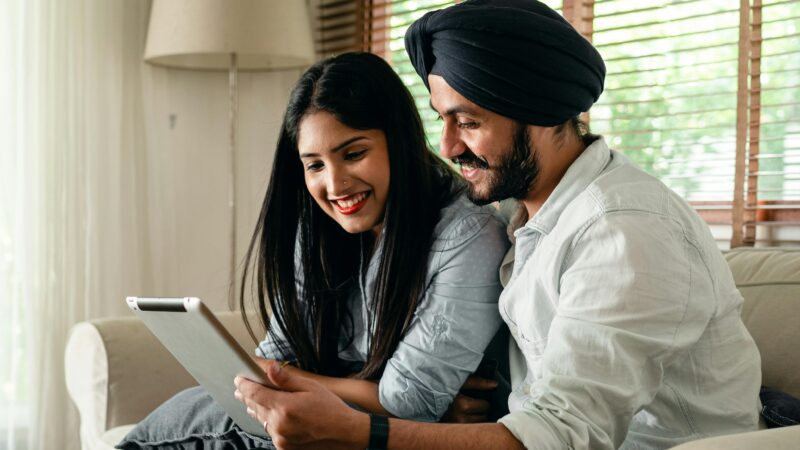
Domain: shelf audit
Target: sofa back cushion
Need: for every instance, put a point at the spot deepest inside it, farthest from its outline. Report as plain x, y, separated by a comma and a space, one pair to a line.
769, 280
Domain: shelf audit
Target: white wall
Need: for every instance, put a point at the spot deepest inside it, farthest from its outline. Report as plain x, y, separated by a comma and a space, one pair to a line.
187, 163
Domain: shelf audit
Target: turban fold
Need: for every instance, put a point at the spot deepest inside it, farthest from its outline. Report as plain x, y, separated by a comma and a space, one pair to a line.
517, 58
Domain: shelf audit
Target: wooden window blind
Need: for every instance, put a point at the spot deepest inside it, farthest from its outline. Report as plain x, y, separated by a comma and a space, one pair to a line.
379, 26
703, 94
770, 191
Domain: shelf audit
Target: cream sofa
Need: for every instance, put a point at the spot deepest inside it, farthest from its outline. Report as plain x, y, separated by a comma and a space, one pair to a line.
117, 372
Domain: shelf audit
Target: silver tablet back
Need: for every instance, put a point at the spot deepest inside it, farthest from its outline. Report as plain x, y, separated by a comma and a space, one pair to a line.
189, 330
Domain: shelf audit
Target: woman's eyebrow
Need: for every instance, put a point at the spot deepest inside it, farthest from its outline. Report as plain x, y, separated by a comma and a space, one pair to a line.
336, 148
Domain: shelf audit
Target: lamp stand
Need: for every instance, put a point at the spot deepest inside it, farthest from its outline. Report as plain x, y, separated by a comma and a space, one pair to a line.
233, 100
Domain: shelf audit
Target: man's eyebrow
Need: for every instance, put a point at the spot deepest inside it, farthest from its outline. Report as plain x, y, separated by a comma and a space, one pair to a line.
337, 148
457, 109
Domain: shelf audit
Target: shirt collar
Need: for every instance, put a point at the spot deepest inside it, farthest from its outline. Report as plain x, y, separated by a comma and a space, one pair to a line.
577, 178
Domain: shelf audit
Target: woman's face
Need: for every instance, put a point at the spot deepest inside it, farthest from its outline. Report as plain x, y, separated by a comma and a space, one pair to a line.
346, 171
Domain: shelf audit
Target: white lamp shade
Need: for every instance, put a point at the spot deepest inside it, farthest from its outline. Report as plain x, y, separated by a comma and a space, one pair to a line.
201, 34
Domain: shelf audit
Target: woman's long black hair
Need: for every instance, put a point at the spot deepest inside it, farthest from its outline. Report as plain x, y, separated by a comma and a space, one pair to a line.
362, 91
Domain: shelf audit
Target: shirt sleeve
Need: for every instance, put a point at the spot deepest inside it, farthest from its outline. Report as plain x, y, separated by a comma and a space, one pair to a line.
269, 347
453, 324
627, 306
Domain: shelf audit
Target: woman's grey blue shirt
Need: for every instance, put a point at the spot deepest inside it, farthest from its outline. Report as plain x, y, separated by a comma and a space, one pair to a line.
454, 322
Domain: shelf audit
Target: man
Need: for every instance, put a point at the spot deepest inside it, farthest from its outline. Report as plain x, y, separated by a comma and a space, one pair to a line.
624, 314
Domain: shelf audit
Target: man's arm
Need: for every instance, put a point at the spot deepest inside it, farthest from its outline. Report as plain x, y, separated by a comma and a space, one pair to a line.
364, 393
301, 413
405, 434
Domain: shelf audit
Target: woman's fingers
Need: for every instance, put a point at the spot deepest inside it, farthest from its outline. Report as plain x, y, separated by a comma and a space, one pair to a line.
469, 405
479, 384
299, 412
256, 396
466, 409
263, 363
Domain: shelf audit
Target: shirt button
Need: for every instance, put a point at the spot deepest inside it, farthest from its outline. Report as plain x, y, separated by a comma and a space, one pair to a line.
514, 331
526, 389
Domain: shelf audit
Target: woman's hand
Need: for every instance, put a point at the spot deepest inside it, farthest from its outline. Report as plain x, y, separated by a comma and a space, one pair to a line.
465, 409
363, 393
264, 364
299, 413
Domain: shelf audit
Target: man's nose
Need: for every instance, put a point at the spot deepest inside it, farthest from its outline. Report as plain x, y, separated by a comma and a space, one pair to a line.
451, 144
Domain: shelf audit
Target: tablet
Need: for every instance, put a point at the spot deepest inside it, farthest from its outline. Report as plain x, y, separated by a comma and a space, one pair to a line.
189, 330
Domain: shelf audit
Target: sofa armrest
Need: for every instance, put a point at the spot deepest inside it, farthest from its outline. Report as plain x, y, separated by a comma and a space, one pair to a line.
117, 372
786, 438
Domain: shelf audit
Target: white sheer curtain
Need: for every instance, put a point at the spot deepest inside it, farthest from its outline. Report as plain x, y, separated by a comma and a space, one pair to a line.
73, 221
112, 183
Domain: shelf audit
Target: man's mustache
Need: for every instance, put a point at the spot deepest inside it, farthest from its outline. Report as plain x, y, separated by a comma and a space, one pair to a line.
471, 160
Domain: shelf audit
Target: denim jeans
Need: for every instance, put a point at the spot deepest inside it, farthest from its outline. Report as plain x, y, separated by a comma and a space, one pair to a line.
191, 420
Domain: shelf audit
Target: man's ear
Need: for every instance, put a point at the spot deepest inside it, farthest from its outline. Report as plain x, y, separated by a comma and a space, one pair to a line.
554, 137
541, 136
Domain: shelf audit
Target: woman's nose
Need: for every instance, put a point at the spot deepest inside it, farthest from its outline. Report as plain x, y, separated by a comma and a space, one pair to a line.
337, 182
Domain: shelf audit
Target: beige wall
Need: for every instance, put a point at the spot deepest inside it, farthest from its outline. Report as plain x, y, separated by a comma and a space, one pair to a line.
187, 168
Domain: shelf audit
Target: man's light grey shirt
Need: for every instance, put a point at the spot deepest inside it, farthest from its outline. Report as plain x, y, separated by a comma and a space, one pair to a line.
454, 322
625, 318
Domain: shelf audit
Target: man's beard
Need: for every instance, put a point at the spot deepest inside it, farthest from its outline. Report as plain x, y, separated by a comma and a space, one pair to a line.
512, 177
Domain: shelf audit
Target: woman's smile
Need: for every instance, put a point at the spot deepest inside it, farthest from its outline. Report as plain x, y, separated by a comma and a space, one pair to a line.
352, 203
346, 171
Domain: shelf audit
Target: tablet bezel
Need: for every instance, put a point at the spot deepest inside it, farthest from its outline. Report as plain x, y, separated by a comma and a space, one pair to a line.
194, 336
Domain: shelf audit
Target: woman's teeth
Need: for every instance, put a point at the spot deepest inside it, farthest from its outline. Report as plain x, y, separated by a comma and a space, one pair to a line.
350, 201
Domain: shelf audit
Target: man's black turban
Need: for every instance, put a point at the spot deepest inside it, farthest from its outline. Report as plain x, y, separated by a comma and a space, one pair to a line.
518, 58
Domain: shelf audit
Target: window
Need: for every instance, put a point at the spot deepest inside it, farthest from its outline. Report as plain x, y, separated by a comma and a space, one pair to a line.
379, 26
702, 94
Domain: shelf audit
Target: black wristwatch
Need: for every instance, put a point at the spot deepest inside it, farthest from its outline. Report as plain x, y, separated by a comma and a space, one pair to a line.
378, 432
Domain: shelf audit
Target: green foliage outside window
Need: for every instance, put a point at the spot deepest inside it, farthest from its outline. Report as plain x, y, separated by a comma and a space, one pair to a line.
670, 98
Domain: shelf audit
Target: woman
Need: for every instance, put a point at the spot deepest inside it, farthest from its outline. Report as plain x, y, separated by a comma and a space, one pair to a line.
381, 275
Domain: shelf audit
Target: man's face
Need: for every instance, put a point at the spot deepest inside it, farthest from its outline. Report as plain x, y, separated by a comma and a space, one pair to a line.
493, 151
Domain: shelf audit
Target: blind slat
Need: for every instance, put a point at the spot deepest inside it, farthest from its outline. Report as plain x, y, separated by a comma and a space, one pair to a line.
665, 54
664, 90
639, 10
335, 4
663, 22
663, 37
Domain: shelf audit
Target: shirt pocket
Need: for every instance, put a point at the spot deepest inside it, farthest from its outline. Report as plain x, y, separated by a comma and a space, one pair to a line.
533, 351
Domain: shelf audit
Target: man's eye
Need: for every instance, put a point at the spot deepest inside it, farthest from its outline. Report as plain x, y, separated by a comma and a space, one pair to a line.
352, 156
467, 125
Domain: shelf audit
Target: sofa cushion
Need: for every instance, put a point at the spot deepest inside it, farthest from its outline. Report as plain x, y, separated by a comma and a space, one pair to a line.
777, 439
769, 280
114, 435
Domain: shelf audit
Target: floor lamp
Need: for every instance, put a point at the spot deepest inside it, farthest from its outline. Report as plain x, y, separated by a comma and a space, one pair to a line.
248, 35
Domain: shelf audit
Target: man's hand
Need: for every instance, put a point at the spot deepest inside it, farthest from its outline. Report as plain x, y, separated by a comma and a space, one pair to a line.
299, 413
465, 409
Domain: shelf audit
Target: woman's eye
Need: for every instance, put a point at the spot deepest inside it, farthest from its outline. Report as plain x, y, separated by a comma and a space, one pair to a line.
352, 156
314, 167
